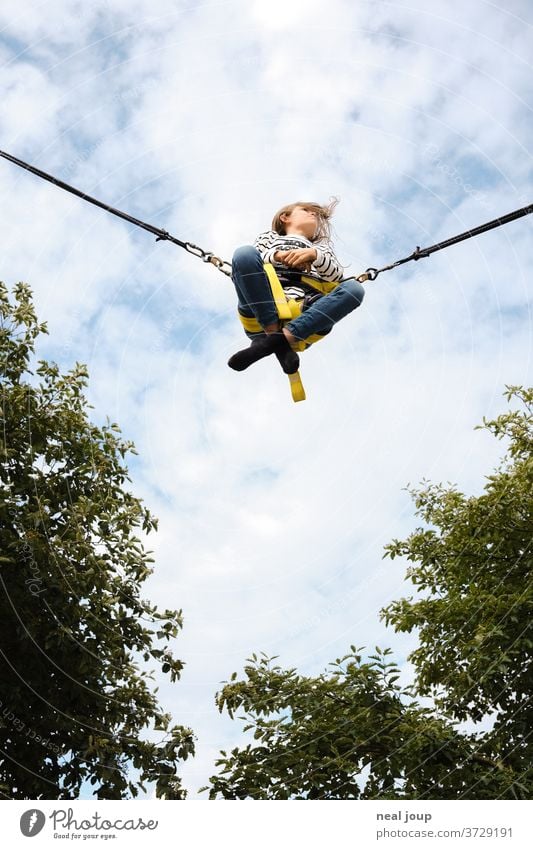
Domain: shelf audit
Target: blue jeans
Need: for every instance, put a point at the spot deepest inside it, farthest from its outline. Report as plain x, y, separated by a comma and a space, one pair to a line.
256, 301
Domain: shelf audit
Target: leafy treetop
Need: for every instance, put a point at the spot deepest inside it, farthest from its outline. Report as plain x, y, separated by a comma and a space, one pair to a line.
77, 700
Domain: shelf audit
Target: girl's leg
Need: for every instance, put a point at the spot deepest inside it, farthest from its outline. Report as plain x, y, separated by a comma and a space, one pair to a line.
255, 300
252, 286
327, 311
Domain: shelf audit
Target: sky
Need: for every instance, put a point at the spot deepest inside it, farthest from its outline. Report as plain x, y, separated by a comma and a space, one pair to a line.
204, 118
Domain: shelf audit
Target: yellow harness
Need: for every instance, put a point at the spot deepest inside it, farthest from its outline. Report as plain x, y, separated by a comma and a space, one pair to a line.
289, 308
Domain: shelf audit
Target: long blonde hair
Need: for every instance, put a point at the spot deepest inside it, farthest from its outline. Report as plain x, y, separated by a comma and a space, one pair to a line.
323, 213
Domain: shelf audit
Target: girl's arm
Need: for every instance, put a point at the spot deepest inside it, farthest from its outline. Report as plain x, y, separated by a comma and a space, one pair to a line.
327, 265
264, 243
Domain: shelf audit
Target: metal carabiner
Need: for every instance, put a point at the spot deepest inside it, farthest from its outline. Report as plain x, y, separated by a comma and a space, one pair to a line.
220, 264
369, 274
195, 250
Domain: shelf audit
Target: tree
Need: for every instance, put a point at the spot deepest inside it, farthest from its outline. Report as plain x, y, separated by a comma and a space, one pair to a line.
473, 568
350, 733
76, 701
353, 732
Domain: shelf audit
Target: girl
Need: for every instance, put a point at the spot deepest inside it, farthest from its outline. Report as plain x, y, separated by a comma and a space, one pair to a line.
299, 243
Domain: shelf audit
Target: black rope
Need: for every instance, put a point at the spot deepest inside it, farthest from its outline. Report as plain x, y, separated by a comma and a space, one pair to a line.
206, 256
422, 253
225, 267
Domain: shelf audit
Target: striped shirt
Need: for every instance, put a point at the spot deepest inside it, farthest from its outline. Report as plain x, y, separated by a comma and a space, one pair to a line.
326, 266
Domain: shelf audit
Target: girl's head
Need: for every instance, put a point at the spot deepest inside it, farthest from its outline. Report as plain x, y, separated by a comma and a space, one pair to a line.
322, 231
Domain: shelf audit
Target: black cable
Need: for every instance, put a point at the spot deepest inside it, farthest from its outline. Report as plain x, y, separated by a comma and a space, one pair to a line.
155, 230
207, 256
421, 253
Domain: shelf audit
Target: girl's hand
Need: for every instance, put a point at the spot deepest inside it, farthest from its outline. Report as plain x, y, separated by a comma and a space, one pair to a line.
297, 258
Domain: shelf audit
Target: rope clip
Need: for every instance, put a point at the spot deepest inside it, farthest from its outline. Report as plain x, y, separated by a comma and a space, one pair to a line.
220, 264
195, 250
419, 254
370, 274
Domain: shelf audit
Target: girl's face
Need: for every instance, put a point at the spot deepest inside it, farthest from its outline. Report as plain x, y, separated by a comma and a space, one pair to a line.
301, 221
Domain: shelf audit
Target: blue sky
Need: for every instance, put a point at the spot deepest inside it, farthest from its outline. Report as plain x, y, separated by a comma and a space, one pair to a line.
204, 118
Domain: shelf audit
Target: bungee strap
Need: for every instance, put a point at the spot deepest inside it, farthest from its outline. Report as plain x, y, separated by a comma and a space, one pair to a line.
225, 267
422, 253
161, 235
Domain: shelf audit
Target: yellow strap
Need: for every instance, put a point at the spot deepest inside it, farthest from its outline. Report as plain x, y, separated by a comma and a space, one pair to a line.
297, 388
253, 326
294, 309
280, 299
323, 286
250, 324
287, 310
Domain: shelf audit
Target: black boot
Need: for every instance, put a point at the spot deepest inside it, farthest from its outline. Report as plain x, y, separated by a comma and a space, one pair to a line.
263, 346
